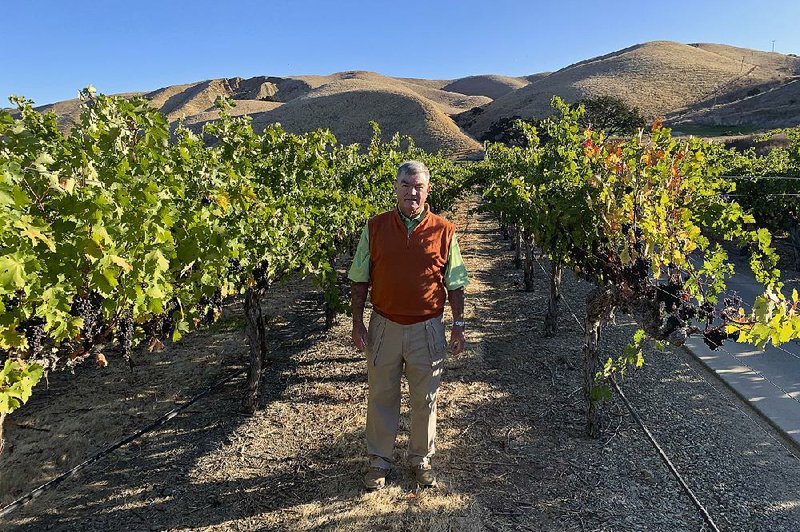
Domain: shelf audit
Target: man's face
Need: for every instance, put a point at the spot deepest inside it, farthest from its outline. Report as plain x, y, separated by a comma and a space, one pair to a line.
412, 191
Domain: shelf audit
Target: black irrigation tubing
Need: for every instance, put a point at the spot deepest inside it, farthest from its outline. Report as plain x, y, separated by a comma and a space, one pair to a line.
108, 450
706, 516
756, 177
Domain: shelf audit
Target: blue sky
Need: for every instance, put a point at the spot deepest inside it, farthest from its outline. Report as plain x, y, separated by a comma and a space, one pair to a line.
53, 48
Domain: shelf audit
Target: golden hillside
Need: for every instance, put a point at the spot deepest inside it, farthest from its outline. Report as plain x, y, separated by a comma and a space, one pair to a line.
706, 84
774, 108
488, 85
346, 106
657, 77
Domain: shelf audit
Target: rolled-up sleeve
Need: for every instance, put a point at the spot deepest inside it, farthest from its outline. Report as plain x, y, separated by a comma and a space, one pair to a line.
359, 270
455, 272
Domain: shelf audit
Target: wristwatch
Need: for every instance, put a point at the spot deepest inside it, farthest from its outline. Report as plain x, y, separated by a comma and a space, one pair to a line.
459, 323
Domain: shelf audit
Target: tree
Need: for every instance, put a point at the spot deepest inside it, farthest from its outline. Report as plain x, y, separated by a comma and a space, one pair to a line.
510, 131
612, 115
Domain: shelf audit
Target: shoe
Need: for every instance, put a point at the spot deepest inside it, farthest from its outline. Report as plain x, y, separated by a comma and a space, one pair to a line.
424, 475
375, 479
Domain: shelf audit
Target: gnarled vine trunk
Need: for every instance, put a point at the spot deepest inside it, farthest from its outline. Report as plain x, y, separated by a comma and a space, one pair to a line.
600, 305
255, 329
528, 271
551, 316
503, 226
516, 245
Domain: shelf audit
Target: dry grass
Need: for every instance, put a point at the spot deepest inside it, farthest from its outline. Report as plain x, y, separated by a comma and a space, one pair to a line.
705, 84
347, 106
657, 77
511, 454
774, 108
489, 85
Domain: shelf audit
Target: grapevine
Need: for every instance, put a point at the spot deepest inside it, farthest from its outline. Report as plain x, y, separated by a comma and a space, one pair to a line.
643, 220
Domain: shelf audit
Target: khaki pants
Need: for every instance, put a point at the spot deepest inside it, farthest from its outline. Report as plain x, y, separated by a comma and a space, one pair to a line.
421, 348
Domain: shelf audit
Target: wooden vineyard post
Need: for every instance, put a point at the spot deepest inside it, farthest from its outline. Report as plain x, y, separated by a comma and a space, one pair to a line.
256, 338
2, 440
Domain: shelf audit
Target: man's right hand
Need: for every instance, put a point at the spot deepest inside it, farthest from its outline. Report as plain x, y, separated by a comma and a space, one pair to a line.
360, 336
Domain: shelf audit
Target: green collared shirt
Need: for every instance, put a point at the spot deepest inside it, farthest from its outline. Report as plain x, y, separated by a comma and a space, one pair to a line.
455, 273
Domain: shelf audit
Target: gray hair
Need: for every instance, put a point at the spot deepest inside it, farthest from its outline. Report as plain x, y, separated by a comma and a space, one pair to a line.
410, 168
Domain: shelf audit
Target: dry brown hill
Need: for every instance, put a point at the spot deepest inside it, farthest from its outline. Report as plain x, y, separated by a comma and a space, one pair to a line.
346, 106
703, 84
774, 108
657, 77
487, 85
425, 105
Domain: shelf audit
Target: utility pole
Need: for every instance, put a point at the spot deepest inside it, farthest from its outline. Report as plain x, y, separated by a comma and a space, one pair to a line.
773, 45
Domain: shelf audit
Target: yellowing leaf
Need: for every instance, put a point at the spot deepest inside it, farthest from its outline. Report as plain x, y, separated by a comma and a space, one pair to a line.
222, 200
67, 184
122, 263
35, 234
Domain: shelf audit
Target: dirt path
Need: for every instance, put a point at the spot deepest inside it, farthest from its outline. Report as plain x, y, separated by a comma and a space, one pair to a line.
511, 450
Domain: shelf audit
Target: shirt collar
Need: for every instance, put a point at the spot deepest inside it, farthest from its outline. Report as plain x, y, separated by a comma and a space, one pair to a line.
417, 218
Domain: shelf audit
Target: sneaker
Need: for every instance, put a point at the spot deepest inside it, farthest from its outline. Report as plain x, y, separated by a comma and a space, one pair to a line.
375, 479
424, 475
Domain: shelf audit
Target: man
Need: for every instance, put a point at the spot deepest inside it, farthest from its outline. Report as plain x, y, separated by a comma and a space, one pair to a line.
411, 259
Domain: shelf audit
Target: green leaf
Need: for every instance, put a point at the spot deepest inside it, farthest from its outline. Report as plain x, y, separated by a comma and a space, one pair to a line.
12, 273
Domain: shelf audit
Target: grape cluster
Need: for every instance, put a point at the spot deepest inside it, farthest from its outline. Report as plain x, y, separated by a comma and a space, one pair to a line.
12, 304
209, 308
167, 322
235, 267
163, 325
125, 335
670, 295
34, 333
713, 338
260, 274
89, 309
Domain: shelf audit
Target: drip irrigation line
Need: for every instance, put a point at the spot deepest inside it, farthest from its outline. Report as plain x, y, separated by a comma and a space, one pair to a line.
706, 516
4, 511
663, 455
562, 297
776, 195
756, 177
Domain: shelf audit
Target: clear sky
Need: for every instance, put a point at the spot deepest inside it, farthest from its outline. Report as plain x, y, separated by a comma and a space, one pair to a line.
53, 48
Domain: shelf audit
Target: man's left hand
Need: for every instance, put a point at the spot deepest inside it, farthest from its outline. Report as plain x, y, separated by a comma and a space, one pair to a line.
457, 339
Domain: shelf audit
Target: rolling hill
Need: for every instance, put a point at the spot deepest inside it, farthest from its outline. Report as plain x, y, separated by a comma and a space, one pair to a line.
690, 84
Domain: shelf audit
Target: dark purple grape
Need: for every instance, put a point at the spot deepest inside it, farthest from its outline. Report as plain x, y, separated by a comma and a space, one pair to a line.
125, 336
34, 333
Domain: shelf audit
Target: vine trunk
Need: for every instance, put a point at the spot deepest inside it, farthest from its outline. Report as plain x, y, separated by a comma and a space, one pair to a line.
528, 271
599, 308
256, 338
551, 317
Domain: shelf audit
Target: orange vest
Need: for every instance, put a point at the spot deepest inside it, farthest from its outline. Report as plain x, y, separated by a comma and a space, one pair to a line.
407, 271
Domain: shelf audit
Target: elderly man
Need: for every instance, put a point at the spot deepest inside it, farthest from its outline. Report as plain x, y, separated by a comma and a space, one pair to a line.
411, 259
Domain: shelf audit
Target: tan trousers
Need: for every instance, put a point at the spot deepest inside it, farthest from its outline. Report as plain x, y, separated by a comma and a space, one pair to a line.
421, 349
